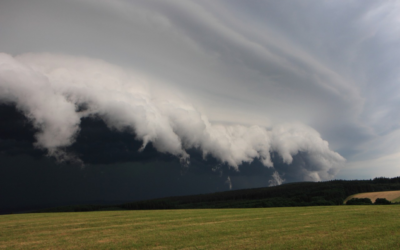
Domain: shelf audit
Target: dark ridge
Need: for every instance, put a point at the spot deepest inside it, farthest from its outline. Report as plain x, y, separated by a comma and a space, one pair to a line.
289, 195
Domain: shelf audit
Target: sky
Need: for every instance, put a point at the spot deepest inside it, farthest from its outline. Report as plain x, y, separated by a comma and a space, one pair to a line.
126, 100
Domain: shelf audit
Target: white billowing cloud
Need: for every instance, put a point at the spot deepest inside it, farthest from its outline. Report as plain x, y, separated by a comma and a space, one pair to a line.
55, 91
332, 65
33, 94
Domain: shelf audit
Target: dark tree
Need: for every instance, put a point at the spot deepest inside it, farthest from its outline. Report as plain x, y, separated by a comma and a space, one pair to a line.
382, 201
359, 201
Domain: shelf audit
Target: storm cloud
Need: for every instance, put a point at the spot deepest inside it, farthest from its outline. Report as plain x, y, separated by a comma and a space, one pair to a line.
252, 89
55, 92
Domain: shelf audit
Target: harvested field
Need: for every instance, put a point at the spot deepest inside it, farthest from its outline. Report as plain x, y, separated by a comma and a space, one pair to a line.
333, 227
388, 195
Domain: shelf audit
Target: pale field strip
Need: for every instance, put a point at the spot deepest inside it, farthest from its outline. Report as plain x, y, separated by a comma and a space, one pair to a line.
388, 195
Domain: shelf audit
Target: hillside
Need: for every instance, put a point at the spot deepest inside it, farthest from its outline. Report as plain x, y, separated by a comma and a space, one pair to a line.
392, 196
286, 195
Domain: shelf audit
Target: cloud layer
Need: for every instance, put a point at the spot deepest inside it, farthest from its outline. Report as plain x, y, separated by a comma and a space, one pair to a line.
331, 65
56, 91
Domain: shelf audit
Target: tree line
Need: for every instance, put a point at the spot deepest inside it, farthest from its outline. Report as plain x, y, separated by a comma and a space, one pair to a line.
287, 195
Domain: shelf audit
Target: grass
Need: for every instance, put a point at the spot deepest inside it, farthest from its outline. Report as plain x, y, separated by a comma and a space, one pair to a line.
334, 227
396, 200
392, 196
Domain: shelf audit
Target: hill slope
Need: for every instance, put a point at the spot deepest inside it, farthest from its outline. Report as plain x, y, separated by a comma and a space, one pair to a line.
287, 195
388, 195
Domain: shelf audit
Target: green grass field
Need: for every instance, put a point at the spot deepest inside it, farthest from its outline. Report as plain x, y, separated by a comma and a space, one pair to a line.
334, 227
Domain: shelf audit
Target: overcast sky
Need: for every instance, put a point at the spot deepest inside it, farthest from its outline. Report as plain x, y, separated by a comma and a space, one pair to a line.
309, 84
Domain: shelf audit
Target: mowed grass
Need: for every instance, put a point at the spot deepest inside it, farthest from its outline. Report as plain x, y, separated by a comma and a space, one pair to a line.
334, 227
392, 196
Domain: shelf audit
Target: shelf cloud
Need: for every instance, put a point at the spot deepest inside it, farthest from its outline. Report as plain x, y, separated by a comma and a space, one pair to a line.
56, 91
198, 95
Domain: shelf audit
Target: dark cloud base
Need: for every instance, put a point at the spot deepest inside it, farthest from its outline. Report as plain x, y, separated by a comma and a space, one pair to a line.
113, 170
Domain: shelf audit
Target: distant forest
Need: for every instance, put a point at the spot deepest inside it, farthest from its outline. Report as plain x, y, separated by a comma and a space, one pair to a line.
287, 195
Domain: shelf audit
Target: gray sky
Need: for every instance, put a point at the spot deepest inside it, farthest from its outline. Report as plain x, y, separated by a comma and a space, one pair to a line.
329, 66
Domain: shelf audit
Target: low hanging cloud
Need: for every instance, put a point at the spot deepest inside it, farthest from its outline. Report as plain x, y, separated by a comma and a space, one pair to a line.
229, 182
56, 91
276, 179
